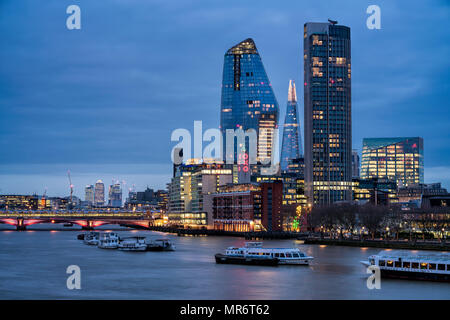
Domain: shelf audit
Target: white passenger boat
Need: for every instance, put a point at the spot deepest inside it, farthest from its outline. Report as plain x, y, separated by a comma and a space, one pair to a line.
108, 240
91, 238
407, 265
284, 255
132, 244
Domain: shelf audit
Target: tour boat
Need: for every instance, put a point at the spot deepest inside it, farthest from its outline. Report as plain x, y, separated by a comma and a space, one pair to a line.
108, 240
160, 245
406, 265
254, 250
132, 244
91, 238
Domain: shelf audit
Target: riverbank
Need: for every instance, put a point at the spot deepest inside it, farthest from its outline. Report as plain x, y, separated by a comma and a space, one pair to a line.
382, 244
246, 235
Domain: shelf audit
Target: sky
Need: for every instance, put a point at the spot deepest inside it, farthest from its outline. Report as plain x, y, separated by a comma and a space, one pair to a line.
103, 101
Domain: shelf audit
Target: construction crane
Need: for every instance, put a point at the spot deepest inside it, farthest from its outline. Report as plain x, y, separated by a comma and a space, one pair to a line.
71, 187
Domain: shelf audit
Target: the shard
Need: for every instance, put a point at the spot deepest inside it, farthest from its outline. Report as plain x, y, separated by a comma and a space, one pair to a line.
291, 147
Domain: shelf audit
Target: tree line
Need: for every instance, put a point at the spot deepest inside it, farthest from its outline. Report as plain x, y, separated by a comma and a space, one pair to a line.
388, 222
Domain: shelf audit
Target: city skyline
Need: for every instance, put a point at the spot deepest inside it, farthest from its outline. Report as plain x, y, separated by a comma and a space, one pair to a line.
76, 133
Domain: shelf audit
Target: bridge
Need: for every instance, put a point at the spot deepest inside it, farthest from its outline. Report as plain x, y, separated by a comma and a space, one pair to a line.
87, 220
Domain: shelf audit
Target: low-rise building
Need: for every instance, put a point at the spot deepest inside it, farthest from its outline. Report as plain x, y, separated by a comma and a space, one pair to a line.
247, 207
376, 191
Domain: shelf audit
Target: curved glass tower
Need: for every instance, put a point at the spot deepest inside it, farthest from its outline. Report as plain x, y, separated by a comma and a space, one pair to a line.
291, 147
248, 101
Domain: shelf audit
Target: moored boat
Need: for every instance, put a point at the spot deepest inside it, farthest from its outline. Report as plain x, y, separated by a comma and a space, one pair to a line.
160, 245
108, 240
91, 238
416, 266
132, 244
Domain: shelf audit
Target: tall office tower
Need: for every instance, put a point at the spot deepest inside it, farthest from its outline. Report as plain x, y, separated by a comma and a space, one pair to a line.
355, 164
397, 159
115, 195
248, 101
328, 125
89, 194
99, 193
291, 147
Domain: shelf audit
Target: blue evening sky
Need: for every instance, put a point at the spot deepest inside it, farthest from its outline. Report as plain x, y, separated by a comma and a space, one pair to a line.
102, 101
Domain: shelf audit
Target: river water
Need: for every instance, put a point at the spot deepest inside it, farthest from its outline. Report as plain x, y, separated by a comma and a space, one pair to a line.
33, 266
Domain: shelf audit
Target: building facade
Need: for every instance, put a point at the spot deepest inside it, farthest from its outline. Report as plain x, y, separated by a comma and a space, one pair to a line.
375, 191
398, 159
328, 125
355, 164
147, 200
115, 195
248, 207
248, 101
19, 202
89, 194
99, 193
291, 146
237, 208
188, 188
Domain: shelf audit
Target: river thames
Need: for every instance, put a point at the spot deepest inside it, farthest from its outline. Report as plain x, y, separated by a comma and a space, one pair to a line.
33, 266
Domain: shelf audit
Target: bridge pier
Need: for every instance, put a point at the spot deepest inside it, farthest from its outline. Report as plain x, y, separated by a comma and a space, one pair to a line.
20, 226
89, 226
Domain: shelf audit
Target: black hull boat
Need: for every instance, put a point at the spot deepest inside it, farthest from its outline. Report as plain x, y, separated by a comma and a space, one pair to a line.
254, 261
422, 276
411, 265
160, 245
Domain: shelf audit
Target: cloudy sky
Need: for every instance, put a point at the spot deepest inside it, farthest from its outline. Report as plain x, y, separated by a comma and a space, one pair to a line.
102, 101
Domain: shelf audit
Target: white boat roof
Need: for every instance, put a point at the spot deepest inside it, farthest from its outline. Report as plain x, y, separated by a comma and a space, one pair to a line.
419, 255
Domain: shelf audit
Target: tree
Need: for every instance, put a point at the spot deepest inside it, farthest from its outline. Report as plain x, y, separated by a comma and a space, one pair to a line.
372, 217
346, 217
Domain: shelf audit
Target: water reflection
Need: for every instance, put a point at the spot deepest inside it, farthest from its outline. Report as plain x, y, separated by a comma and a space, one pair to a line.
188, 273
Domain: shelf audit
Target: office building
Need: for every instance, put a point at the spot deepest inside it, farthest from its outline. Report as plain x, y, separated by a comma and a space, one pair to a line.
89, 194
187, 189
327, 102
99, 193
397, 159
247, 207
115, 195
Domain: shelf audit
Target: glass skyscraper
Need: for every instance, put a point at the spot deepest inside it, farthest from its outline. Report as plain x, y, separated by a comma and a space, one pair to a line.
248, 101
291, 147
397, 159
328, 125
